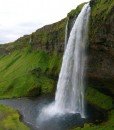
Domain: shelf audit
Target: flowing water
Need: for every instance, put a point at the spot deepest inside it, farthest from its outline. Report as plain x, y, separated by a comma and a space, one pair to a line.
66, 34
70, 89
31, 108
69, 96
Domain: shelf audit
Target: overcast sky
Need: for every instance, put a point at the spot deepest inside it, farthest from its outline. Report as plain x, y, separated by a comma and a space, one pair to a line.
20, 17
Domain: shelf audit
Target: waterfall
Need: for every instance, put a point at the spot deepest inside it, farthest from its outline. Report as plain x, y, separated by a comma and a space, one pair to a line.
70, 88
66, 34
69, 96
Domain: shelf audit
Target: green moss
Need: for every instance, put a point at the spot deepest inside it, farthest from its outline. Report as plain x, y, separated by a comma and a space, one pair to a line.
98, 99
49, 36
47, 85
9, 119
101, 15
101, 9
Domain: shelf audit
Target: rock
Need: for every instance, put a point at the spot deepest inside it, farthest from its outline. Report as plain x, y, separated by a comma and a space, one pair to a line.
100, 70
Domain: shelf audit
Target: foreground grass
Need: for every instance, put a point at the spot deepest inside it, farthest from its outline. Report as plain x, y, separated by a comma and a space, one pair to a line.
9, 119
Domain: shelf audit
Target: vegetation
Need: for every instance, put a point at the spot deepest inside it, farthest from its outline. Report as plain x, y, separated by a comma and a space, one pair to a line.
98, 99
100, 10
48, 38
100, 22
10, 119
23, 73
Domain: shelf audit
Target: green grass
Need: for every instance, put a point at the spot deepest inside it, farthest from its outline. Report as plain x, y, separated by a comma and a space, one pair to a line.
10, 119
19, 75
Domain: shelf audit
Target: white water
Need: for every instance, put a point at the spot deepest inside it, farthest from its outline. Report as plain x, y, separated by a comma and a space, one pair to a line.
66, 34
70, 88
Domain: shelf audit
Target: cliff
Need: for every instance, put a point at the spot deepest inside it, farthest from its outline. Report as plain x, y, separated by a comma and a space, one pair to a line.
101, 46
100, 72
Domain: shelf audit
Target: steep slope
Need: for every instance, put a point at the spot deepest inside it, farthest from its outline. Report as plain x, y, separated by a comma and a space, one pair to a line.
30, 65
101, 47
28, 73
100, 70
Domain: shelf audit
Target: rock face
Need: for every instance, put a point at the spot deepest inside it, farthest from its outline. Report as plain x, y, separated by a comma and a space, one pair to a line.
50, 38
101, 46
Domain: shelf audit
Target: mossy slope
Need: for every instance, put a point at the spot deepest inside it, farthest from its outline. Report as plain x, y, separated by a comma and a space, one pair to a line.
28, 73
101, 45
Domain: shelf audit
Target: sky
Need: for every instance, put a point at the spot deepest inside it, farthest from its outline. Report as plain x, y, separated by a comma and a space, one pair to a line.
21, 17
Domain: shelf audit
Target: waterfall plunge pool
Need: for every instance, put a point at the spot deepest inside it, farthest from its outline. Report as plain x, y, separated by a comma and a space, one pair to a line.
31, 108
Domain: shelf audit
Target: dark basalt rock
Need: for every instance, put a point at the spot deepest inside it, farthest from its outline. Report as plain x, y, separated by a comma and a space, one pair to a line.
100, 70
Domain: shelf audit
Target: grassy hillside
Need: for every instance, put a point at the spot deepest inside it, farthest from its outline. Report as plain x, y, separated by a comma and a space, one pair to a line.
30, 65
28, 73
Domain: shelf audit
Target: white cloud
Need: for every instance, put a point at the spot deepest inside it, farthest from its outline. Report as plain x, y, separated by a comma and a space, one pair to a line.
19, 17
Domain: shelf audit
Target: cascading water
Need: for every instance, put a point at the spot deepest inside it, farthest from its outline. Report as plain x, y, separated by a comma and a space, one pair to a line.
66, 34
70, 88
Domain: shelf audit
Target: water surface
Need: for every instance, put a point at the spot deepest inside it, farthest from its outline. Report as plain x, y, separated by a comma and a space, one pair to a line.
31, 108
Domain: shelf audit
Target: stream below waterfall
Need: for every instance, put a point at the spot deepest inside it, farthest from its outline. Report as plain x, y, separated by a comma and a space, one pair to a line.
31, 108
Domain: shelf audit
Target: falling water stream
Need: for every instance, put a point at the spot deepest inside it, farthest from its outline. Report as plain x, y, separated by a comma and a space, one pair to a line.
69, 96
66, 34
